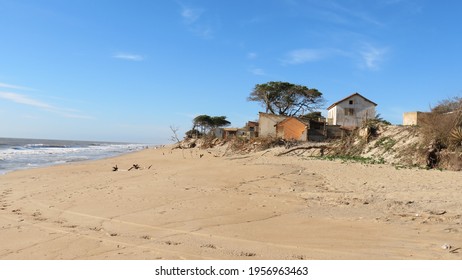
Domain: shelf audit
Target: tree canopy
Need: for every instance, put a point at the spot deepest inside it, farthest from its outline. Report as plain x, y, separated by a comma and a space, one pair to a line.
286, 99
316, 115
206, 123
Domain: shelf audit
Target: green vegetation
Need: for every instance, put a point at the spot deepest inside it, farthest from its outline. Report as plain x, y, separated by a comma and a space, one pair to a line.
312, 116
386, 143
204, 124
343, 158
286, 99
372, 125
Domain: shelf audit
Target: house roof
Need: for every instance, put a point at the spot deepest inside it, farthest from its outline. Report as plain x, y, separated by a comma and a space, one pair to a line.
230, 129
289, 118
340, 101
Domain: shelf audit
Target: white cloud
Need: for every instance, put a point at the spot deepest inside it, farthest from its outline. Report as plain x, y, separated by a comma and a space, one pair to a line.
194, 20
22, 99
10, 86
76, 116
338, 12
257, 71
204, 31
191, 15
129, 56
372, 57
302, 56
25, 100
252, 55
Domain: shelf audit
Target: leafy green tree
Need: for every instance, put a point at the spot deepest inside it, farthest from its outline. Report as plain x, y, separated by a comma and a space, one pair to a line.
286, 99
193, 133
219, 121
312, 116
205, 123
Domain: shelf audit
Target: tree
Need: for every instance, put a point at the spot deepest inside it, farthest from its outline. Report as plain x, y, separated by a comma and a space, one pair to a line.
312, 116
207, 123
174, 137
193, 133
286, 99
219, 121
448, 105
202, 122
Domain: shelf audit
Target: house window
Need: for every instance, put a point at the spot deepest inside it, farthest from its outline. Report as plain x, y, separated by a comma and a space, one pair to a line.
350, 102
349, 112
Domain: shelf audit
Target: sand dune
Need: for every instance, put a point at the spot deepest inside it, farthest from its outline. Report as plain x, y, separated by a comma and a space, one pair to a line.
259, 206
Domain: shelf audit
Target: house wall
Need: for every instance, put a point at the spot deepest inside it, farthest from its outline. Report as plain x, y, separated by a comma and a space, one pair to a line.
413, 118
332, 116
218, 132
292, 129
363, 110
266, 124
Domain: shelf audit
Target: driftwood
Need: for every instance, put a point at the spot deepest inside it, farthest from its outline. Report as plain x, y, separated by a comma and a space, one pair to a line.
115, 168
136, 166
177, 146
322, 147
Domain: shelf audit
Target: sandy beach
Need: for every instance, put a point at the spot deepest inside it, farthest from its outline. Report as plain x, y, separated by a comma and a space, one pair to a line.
196, 204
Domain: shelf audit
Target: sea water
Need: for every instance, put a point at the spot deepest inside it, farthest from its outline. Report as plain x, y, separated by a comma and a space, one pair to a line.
16, 154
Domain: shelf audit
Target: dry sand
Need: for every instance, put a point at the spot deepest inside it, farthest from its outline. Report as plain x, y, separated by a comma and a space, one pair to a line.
257, 206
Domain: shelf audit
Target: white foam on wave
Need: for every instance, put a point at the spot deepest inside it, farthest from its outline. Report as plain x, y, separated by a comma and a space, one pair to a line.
36, 155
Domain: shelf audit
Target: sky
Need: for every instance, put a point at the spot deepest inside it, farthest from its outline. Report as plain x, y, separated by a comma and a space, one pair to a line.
128, 71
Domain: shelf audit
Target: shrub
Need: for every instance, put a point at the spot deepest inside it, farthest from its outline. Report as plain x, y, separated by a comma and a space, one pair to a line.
455, 137
441, 131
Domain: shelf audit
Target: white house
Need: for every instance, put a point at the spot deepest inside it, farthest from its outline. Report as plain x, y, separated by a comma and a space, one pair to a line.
267, 124
351, 111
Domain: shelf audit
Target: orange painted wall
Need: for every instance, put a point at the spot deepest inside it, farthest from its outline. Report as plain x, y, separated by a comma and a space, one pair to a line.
291, 129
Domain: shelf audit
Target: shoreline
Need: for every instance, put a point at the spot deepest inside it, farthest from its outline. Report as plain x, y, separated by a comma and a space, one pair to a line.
192, 204
58, 155
83, 161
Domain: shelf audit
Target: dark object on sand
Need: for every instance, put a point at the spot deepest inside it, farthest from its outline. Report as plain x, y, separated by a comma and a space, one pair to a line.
135, 166
115, 168
432, 155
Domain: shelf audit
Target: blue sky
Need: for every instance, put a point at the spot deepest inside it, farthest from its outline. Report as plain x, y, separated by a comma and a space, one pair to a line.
118, 70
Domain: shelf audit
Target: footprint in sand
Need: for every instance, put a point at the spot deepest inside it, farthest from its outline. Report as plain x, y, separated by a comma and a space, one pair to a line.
95, 229
172, 243
70, 226
38, 216
247, 254
211, 246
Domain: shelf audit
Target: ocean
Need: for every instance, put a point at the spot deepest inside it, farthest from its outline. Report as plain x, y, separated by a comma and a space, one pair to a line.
16, 154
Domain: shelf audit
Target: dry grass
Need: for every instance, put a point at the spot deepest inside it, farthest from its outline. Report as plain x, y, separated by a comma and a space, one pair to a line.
436, 129
442, 132
455, 136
